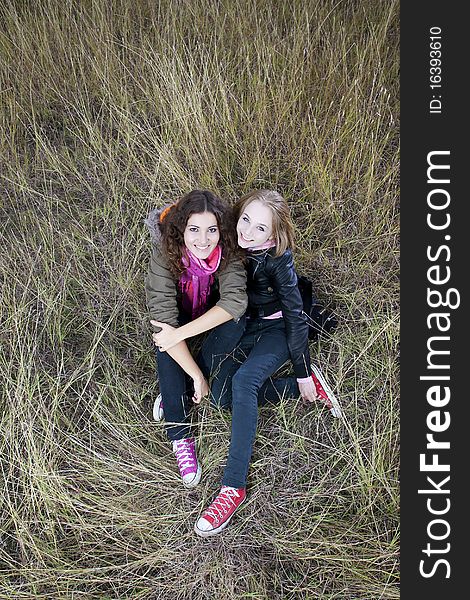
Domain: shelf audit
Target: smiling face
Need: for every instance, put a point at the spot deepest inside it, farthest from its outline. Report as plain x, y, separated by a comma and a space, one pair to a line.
255, 225
201, 234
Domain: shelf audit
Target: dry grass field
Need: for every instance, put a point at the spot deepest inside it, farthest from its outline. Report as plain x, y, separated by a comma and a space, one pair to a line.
108, 108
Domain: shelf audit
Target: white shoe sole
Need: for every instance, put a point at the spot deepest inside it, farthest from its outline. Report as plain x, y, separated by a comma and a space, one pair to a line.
157, 409
217, 530
335, 409
196, 480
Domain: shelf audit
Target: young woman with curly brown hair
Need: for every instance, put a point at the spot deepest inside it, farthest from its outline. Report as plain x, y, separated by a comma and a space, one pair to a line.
196, 283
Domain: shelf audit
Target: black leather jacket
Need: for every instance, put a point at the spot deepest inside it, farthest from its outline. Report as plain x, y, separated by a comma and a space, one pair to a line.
272, 286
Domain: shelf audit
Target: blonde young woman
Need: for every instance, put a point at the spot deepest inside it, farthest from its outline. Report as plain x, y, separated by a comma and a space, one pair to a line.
276, 331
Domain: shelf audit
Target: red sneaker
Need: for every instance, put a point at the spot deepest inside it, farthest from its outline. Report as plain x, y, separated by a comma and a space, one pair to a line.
217, 516
325, 393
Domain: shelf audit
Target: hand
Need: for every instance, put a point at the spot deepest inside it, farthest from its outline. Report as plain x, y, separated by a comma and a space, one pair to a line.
308, 391
201, 389
167, 337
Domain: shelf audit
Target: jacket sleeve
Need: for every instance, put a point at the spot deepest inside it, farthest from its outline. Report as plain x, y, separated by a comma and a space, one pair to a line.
160, 290
232, 289
284, 280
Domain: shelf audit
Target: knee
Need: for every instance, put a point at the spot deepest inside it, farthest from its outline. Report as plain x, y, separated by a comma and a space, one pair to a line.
245, 380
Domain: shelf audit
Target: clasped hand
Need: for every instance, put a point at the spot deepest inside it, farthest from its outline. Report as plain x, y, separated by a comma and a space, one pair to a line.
167, 337
201, 390
308, 391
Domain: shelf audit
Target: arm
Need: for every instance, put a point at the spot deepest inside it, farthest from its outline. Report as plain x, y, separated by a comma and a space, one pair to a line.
160, 290
169, 336
285, 283
284, 280
232, 288
213, 317
232, 305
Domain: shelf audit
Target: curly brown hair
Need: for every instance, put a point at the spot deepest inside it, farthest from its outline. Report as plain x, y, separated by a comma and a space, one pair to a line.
174, 221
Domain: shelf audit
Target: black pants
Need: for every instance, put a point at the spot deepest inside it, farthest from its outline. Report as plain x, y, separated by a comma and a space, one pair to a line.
243, 383
176, 386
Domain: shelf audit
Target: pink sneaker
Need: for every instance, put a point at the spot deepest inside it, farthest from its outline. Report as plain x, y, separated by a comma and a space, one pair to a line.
190, 469
217, 516
325, 393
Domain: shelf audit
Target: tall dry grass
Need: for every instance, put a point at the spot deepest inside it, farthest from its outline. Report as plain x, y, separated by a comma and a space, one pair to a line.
108, 108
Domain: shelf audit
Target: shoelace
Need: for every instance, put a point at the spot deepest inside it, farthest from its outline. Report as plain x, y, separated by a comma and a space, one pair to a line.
185, 456
222, 503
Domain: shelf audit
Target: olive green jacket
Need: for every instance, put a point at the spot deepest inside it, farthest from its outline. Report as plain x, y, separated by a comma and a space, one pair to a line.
161, 286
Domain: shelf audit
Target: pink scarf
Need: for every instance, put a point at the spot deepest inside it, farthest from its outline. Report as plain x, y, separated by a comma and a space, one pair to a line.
196, 281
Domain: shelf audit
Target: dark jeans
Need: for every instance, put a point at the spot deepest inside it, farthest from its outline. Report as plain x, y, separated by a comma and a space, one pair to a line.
243, 382
176, 386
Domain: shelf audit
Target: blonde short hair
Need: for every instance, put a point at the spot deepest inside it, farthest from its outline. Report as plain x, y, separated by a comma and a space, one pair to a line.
283, 228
